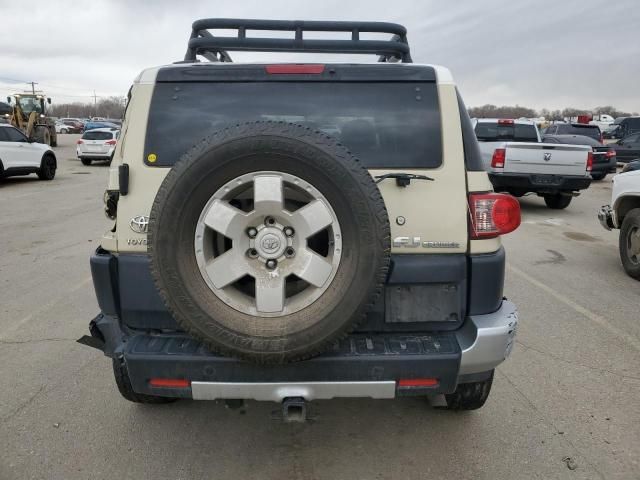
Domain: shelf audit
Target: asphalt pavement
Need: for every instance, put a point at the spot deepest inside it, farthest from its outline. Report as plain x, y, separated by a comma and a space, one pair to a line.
565, 405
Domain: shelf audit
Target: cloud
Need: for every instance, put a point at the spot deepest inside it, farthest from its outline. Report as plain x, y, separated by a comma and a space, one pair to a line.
544, 53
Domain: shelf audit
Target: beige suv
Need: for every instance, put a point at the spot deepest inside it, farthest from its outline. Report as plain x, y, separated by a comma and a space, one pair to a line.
291, 232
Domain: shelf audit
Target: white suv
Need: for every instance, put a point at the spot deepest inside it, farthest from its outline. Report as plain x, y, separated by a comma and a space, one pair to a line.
19, 156
97, 144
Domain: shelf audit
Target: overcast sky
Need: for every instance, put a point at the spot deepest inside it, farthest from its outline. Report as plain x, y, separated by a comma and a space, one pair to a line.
541, 53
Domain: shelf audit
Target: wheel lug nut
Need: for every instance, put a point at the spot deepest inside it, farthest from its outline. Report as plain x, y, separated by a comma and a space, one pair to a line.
252, 232
289, 252
252, 253
288, 231
271, 264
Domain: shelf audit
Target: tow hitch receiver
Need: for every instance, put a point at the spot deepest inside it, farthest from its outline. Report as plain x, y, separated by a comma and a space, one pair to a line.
294, 409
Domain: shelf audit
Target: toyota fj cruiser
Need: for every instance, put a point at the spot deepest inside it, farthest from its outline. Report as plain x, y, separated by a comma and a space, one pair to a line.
291, 232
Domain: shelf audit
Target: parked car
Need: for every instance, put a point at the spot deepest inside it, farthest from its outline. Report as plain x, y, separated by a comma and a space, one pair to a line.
624, 213
250, 256
518, 163
67, 127
611, 131
76, 126
626, 126
631, 166
114, 121
97, 144
19, 156
5, 109
92, 125
627, 148
604, 156
70, 119
585, 129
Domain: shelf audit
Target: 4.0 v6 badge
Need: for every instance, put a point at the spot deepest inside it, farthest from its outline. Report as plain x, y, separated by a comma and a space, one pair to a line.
414, 242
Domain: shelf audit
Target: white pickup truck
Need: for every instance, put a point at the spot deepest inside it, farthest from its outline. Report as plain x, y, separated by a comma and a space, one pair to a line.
624, 214
518, 162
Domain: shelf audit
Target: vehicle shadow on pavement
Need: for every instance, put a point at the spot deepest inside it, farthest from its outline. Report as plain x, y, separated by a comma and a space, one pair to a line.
533, 203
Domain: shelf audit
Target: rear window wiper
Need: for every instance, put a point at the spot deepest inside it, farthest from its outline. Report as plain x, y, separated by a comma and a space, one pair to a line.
402, 179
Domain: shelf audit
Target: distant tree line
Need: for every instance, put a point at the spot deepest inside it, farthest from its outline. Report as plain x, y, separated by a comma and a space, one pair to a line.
108, 107
517, 111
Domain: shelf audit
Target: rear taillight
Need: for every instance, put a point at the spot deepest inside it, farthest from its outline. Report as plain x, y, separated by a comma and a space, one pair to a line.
601, 138
610, 153
293, 69
79, 142
589, 161
110, 142
499, 155
493, 214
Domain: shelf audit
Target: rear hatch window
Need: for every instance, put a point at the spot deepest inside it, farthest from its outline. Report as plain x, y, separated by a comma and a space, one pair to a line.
385, 124
92, 135
499, 132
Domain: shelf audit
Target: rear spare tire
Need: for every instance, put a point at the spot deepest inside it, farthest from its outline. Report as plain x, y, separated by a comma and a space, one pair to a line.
269, 241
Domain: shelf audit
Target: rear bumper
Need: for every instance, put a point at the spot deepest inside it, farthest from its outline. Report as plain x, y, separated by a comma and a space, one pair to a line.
95, 155
135, 326
607, 166
362, 365
538, 183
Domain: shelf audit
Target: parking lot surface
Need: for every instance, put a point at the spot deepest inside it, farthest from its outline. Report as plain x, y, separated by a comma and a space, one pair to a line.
565, 405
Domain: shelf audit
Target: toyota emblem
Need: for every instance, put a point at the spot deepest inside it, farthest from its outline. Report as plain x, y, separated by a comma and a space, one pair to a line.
139, 224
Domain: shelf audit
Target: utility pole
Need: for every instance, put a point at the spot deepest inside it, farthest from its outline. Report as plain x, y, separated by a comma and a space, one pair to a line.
95, 104
33, 87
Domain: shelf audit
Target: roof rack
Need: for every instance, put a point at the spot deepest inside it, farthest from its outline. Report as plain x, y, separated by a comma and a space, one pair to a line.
214, 49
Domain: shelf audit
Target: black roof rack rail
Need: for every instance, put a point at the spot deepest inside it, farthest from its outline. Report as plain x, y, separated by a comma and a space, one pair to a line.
214, 49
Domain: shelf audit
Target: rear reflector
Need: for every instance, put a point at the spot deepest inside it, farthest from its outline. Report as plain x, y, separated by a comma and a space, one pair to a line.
498, 158
418, 382
589, 161
169, 383
493, 214
505, 121
293, 69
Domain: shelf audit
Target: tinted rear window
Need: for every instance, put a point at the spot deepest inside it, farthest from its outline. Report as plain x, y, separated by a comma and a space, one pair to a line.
573, 140
589, 130
93, 135
495, 132
634, 123
387, 124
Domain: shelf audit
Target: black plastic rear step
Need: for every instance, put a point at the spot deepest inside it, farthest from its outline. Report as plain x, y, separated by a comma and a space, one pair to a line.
356, 358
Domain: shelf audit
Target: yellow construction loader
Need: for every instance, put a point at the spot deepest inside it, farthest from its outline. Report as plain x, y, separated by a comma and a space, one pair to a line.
28, 113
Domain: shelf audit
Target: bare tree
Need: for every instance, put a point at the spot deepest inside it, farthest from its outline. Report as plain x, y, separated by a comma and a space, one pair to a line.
517, 111
109, 107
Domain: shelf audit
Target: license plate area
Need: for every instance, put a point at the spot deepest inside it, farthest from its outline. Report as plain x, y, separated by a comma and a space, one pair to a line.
411, 303
545, 180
